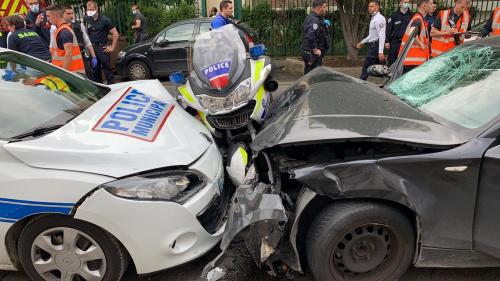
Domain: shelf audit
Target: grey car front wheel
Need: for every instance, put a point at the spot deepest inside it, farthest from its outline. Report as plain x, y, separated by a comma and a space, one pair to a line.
62, 248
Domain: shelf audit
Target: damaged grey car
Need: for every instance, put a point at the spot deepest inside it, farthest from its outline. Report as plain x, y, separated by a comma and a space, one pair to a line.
351, 181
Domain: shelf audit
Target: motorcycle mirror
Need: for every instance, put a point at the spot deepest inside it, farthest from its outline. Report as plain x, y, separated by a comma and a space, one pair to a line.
378, 70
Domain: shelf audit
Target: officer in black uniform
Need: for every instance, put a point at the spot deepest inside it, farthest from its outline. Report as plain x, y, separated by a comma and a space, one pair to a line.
26, 41
98, 27
86, 49
37, 21
396, 27
315, 36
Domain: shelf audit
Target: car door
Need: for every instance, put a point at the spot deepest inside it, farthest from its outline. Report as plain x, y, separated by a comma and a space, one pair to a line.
170, 49
487, 219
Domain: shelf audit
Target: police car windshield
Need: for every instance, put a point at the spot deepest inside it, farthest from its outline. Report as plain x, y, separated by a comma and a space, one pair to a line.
460, 86
37, 95
218, 57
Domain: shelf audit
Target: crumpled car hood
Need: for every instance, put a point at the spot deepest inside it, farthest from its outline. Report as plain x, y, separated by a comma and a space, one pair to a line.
327, 106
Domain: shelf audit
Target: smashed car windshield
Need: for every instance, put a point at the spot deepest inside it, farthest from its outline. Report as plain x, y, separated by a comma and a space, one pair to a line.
461, 86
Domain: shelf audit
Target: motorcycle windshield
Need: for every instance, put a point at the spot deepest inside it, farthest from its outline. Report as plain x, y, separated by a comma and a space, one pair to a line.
218, 58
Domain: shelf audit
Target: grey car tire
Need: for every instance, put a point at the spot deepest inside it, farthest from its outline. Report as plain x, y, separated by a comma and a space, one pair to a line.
138, 70
360, 241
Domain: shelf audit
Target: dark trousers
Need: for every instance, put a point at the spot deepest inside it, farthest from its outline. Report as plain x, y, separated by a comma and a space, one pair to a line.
371, 59
140, 37
104, 64
393, 51
311, 61
87, 63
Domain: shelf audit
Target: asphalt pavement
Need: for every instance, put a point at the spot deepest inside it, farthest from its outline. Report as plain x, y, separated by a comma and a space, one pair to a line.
244, 267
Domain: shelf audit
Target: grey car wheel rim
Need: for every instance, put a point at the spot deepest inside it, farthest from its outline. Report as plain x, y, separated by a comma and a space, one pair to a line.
137, 71
67, 254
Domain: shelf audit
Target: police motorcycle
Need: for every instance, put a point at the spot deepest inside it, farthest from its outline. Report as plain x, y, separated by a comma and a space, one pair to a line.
229, 90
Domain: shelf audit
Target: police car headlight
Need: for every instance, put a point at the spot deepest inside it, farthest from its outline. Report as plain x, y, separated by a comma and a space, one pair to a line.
121, 54
176, 186
239, 96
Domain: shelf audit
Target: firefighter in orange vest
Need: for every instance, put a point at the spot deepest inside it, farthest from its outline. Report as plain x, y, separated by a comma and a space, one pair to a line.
447, 31
492, 26
66, 51
419, 51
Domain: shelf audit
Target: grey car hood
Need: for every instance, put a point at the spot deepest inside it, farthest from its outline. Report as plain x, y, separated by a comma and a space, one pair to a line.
327, 106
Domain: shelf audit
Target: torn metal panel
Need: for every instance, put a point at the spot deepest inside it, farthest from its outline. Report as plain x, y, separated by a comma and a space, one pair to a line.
260, 217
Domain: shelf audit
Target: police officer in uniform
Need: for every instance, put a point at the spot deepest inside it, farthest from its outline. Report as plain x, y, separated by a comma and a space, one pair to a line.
26, 41
98, 27
375, 39
37, 20
315, 36
396, 26
80, 31
140, 26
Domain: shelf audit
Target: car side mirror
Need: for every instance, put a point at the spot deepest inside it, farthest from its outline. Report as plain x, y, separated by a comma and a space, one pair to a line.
163, 43
378, 70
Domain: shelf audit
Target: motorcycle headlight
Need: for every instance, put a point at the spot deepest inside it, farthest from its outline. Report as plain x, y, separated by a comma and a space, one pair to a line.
121, 54
175, 186
239, 96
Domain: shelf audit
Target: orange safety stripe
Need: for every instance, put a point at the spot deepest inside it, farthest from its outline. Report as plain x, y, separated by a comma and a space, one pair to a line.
416, 55
441, 44
76, 56
495, 25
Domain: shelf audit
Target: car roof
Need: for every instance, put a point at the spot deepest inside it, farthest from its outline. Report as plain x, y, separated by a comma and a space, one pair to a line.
489, 41
193, 20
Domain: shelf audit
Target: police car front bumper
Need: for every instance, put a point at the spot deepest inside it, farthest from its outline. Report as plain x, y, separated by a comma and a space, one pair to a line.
159, 234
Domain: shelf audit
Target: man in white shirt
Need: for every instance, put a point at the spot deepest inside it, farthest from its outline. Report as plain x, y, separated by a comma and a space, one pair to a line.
375, 39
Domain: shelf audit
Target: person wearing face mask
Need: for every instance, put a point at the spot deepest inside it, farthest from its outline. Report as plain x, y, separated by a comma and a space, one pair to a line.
396, 26
36, 20
80, 31
375, 39
315, 36
447, 31
140, 26
98, 27
419, 52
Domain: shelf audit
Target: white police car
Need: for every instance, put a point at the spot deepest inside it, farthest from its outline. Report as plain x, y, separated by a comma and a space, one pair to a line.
92, 177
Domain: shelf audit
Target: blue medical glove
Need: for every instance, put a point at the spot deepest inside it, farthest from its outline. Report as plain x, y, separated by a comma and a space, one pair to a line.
9, 75
327, 22
94, 62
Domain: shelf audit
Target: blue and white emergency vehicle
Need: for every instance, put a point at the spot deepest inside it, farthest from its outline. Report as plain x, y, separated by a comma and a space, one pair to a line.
93, 177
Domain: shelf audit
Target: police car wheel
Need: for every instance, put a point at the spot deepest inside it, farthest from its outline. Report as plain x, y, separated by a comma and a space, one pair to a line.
359, 241
138, 70
62, 248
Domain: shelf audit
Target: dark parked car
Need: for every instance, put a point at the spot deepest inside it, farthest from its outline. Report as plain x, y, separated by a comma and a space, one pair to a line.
165, 53
357, 182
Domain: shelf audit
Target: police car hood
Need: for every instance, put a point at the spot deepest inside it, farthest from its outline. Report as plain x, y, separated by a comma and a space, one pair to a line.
153, 132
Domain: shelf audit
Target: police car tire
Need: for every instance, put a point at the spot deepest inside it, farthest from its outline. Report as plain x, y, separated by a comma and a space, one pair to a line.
141, 64
117, 258
338, 229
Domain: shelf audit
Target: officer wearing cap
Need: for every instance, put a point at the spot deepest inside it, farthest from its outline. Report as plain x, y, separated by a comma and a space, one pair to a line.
315, 36
98, 27
375, 39
396, 26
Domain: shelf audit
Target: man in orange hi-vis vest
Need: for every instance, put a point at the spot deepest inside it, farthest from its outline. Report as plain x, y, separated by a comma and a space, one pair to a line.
447, 31
419, 51
492, 26
66, 51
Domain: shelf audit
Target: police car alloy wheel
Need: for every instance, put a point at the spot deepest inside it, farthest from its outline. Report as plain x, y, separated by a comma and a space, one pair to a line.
66, 249
138, 70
